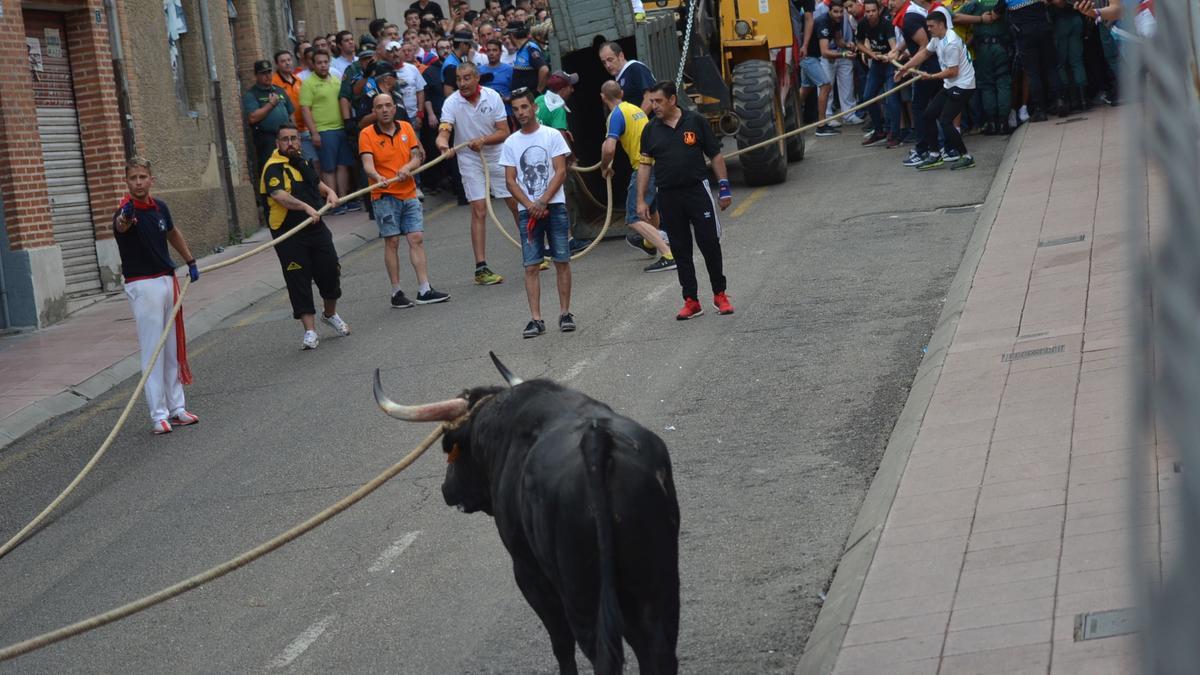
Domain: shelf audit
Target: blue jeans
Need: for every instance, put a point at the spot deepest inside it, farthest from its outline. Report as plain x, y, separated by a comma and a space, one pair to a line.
555, 226
879, 77
396, 216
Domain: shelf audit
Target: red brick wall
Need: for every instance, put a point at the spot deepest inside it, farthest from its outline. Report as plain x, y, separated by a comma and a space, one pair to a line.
99, 117
22, 180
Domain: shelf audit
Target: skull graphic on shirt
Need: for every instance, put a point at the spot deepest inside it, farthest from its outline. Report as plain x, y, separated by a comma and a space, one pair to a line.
535, 171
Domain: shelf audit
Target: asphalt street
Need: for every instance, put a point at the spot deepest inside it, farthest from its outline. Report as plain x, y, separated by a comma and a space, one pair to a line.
775, 417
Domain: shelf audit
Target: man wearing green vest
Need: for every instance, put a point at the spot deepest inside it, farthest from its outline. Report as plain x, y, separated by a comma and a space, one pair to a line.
993, 55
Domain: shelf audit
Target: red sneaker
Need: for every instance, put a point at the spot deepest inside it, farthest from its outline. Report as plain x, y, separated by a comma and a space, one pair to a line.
721, 302
183, 419
691, 309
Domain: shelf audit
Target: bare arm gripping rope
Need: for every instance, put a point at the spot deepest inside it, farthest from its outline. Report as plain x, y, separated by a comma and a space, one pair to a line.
112, 435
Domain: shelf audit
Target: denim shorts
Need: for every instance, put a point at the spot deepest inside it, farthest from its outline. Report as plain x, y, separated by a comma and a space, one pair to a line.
398, 216
554, 226
813, 73
307, 150
334, 150
631, 214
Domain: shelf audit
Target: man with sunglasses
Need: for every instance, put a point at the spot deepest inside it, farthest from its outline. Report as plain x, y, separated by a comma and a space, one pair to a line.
296, 193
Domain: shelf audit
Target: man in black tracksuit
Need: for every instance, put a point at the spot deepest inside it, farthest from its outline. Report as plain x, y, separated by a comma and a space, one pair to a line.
296, 193
676, 142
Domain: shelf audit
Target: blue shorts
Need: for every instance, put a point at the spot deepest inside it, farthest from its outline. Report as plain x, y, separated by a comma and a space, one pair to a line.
334, 150
631, 214
398, 216
307, 150
555, 226
813, 73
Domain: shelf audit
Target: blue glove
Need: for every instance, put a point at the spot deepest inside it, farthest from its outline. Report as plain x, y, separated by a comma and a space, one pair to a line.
193, 271
723, 192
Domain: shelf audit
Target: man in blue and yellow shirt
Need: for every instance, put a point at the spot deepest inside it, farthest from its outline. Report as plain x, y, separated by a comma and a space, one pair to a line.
296, 193
625, 124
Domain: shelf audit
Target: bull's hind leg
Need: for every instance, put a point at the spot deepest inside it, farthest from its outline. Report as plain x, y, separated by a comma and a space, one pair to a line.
654, 633
544, 600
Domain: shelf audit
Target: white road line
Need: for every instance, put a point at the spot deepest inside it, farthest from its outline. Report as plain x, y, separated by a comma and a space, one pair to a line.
392, 552
302, 643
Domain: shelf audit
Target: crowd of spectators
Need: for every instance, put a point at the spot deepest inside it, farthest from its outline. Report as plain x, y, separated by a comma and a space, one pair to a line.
326, 86
1007, 62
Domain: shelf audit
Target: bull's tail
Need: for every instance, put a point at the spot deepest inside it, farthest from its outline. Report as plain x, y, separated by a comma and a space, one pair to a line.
597, 450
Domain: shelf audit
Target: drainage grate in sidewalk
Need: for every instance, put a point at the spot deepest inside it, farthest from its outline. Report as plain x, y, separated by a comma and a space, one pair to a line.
1073, 239
1030, 353
1096, 625
1068, 121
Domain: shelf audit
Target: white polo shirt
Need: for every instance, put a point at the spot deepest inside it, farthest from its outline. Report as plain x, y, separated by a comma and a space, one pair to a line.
950, 52
473, 121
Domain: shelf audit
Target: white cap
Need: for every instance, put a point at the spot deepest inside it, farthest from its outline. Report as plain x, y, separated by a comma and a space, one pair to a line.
392, 45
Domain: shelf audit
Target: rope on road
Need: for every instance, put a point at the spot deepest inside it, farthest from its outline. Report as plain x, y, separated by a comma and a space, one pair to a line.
112, 435
145, 602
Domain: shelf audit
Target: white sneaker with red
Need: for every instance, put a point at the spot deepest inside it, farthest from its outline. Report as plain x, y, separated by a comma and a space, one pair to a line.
183, 418
161, 427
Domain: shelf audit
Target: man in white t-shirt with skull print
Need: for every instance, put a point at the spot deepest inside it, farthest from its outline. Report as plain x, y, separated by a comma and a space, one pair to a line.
535, 167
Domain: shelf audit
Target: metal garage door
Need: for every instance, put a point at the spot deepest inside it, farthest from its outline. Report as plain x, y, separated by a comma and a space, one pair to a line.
62, 152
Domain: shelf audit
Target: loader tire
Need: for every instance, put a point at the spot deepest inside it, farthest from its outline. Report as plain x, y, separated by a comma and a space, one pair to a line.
792, 120
755, 102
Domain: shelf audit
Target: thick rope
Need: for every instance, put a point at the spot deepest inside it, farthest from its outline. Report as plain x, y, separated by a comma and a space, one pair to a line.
224, 568
17, 538
491, 211
112, 435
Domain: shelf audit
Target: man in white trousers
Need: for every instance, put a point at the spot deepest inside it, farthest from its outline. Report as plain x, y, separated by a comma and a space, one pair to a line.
143, 228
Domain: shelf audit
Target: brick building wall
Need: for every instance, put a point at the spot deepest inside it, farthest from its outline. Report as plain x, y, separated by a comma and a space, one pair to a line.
22, 182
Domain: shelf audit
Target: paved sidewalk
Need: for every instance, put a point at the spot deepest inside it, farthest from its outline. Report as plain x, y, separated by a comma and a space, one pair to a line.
1010, 471
60, 368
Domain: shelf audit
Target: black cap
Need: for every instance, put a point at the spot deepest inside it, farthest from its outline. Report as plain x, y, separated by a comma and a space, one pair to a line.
263, 66
464, 36
518, 30
367, 42
383, 69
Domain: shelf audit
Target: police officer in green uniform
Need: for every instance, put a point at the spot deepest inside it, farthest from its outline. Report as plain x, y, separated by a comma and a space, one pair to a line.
1068, 44
993, 59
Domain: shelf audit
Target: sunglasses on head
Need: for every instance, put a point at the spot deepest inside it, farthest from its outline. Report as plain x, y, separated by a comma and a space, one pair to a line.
519, 91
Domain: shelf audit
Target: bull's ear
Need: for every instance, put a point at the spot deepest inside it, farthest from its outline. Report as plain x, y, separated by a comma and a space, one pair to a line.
507, 374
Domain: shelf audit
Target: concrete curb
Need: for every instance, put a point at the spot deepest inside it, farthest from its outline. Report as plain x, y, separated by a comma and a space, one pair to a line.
825, 641
199, 322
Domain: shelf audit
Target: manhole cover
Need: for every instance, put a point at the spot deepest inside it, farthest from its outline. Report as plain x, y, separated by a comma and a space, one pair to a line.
1096, 625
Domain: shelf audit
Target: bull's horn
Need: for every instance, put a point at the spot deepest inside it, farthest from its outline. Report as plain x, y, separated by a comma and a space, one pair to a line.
442, 411
507, 374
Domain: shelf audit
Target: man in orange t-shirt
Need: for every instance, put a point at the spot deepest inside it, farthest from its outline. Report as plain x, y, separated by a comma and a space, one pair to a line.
390, 151
285, 78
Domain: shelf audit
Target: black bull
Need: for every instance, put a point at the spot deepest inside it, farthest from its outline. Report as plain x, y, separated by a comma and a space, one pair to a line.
584, 501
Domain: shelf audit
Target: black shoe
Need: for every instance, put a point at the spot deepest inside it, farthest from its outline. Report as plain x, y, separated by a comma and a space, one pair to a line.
354, 206
989, 128
1075, 99
431, 296
639, 242
566, 323
534, 328
400, 300
1039, 116
826, 130
1061, 106
660, 265
876, 138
